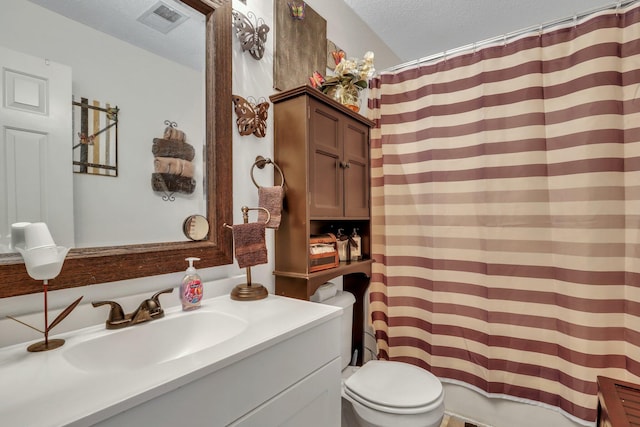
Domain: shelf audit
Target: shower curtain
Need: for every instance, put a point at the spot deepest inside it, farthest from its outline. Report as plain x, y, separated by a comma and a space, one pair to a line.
506, 214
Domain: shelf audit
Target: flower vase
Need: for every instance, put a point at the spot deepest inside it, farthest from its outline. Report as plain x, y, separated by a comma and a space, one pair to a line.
347, 95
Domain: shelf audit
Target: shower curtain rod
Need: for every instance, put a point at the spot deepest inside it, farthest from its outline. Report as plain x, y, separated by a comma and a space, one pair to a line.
507, 37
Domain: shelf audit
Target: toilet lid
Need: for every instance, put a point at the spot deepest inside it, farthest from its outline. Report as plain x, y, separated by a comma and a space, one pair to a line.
394, 385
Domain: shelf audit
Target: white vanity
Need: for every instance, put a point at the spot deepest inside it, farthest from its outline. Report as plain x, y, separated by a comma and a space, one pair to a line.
273, 362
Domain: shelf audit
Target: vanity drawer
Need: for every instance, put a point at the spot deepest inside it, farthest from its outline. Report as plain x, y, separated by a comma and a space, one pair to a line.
310, 403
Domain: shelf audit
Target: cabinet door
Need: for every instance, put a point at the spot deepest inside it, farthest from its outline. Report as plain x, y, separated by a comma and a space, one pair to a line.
356, 173
325, 171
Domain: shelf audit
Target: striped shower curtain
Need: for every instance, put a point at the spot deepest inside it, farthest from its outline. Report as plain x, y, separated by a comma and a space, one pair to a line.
506, 214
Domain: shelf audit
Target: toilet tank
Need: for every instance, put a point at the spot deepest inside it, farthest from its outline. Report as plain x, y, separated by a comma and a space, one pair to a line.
344, 300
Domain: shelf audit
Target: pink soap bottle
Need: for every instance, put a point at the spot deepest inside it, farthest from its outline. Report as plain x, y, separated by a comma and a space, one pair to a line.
191, 287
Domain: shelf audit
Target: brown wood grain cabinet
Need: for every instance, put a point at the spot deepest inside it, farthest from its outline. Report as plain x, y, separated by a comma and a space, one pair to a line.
338, 164
322, 148
618, 403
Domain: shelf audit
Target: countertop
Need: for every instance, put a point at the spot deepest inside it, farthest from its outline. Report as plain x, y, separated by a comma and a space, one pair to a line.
44, 389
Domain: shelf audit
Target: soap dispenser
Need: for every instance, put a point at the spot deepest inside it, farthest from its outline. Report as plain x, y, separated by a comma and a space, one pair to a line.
191, 287
342, 241
356, 247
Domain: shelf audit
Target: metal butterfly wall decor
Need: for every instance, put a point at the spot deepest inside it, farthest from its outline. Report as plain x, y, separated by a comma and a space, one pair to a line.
252, 36
252, 115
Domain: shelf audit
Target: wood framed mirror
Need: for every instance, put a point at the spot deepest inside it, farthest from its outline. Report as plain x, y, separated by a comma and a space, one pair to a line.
88, 266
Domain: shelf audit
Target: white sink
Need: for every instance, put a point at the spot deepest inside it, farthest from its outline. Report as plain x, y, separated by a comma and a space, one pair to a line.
154, 342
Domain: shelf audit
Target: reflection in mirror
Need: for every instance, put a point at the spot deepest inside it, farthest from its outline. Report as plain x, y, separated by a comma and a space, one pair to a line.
123, 261
95, 138
196, 227
114, 57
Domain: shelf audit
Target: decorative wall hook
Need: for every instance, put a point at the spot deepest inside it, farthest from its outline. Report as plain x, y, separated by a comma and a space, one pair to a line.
252, 37
252, 115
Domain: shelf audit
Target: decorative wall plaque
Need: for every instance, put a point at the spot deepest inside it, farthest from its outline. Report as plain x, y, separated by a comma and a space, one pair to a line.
95, 138
300, 46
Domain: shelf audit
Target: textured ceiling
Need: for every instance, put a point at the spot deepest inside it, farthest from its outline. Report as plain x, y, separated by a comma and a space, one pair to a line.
415, 29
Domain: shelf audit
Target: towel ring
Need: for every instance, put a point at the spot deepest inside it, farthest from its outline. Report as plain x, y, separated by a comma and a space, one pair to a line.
245, 215
260, 162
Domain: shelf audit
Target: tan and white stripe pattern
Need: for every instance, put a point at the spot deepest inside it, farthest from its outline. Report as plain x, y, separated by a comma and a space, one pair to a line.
506, 213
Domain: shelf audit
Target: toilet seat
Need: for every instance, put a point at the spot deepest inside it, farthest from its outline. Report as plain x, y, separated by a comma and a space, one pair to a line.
394, 387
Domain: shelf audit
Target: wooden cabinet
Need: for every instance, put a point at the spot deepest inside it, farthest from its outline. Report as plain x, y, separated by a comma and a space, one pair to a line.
618, 403
338, 164
322, 148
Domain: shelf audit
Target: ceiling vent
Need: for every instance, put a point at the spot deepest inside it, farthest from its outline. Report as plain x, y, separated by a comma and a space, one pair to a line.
162, 17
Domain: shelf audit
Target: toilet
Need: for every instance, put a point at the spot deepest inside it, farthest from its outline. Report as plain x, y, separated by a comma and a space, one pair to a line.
385, 393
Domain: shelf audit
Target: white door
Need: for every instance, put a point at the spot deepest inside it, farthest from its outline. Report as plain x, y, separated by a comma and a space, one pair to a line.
36, 174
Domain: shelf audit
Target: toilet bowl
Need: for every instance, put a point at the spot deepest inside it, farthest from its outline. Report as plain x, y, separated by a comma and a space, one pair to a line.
386, 393
394, 394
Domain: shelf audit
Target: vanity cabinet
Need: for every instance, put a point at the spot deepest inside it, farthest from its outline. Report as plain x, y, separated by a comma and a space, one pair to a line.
267, 363
295, 382
322, 148
618, 403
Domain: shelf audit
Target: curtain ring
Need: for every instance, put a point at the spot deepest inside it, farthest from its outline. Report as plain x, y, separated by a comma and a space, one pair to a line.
618, 4
504, 40
575, 21
540, 30
260, 162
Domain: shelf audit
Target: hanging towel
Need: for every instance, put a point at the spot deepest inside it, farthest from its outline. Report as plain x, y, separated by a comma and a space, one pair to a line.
249, 242
270, 198
174, 166
175, 134
170, 148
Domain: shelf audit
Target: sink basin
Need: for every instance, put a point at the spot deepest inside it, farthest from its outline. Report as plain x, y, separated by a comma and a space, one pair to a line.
158, 341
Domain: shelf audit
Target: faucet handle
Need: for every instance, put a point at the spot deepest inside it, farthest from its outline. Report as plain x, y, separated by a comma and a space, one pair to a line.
156, 296
116, 314
151, 307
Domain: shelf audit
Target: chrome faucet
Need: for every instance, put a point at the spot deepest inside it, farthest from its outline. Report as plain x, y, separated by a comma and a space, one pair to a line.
149, 309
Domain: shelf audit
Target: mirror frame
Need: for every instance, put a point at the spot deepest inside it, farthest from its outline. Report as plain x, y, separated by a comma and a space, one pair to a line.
88, 266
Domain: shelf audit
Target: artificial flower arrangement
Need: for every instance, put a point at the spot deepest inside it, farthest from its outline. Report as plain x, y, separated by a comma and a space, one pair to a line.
350, 77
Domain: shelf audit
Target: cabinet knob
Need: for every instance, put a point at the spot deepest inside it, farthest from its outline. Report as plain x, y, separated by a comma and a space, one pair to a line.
344, 165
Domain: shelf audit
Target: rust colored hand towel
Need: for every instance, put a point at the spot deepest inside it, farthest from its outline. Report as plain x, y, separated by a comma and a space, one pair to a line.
270, 198
250, 246
174, 166
170, 148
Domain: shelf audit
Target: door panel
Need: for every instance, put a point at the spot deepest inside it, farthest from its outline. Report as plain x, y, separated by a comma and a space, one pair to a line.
325, 174
35, 145
356, 154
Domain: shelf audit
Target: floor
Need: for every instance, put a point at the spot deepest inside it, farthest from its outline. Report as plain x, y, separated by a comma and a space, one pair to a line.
449, 421
348, 418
